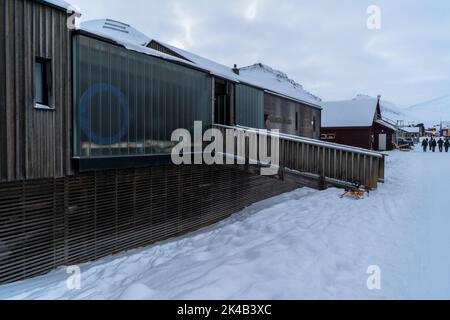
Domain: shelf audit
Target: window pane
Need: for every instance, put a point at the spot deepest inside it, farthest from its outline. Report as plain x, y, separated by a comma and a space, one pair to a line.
133, 108
249, 107
39, 82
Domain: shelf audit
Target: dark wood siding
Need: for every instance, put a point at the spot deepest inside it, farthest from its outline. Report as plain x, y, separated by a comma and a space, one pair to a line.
3, 157
35, 143
361, 137
291, 117
47, 223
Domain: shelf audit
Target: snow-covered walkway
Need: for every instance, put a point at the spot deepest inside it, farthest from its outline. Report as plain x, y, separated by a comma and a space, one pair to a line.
305, 244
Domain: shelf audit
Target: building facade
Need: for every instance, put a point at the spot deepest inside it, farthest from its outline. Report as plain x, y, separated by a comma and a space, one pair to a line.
85, 125
357, 123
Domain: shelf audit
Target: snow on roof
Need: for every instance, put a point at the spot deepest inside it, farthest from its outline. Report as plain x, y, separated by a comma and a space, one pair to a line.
126, 36
410, 129
257, 75
215, 68
62, 4
349, 113
116, 30
386, 124
273, 80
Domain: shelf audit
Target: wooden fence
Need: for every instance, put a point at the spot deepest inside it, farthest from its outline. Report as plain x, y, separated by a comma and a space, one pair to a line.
331, 163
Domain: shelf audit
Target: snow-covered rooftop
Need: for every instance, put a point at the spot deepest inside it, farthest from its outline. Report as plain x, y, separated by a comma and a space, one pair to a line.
213, 67
257, 75
276, 81
386, 124
116, 30
411, 129
359, 112
126, 36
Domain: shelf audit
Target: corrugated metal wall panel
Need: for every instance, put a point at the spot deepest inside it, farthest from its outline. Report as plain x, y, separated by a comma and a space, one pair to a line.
48, 223
249, 107
127, 103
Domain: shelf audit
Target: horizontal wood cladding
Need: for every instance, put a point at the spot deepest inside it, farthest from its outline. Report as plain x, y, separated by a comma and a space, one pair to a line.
48, 223
35, 143
361, 137
291, 117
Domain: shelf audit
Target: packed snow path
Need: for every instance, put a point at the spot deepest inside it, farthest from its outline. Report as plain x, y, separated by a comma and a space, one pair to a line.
305, 244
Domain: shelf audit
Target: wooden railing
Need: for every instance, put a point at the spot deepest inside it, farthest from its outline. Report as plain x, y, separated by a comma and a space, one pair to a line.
329, 163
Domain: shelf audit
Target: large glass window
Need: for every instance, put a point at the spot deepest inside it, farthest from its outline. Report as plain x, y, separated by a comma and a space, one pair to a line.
128, 103
249, 107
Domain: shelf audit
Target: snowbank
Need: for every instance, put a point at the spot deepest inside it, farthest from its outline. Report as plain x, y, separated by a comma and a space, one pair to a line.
304, 244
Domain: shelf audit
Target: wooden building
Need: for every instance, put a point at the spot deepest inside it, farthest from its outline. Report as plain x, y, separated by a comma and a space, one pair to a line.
358, 123
86, 118
85, 123
292, 117
35, 131
257, 96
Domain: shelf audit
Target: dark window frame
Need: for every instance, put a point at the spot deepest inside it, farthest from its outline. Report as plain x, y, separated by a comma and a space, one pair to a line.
46, 81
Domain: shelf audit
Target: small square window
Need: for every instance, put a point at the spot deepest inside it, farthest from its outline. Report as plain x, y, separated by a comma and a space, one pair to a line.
42, 78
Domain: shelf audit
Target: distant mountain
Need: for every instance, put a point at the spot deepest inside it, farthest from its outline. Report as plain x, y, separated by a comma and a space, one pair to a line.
431, 112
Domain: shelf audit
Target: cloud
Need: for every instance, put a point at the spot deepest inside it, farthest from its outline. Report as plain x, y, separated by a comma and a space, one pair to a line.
325, 45
251, 11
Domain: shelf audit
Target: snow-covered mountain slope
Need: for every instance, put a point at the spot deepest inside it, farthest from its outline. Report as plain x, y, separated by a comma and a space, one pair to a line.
431, 112
274, 80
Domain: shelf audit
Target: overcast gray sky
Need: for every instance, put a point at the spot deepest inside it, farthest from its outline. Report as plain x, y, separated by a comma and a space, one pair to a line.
324, 45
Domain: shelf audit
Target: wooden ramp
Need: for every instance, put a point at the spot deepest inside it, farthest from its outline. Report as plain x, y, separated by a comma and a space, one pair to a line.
310, 162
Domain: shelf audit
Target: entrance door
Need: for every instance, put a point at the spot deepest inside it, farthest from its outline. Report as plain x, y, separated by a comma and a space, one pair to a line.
223, 103
382, 142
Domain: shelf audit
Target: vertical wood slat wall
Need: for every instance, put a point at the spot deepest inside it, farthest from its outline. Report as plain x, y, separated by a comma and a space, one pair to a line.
49, 223
34, 143
282, 116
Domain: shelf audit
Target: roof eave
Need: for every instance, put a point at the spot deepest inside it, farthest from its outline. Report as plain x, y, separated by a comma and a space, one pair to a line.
113, 42
70, 11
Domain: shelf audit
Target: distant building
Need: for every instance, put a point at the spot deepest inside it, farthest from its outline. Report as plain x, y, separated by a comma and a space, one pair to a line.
358, 123
410, 133
445, 129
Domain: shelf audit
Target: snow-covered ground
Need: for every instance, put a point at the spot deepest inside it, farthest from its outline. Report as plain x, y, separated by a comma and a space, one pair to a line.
304, 244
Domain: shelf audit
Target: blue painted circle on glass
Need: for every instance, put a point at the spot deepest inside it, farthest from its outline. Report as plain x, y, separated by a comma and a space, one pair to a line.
84, 110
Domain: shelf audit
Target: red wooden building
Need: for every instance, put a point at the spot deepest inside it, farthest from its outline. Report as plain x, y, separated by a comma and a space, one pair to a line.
358, 123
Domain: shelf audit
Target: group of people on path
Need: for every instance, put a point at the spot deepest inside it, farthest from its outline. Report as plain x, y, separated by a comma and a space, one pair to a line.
432, 144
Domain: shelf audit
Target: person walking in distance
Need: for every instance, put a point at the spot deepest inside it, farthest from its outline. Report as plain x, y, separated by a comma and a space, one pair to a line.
433, 145
447, 145
441, 144
425, 145
430, 143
